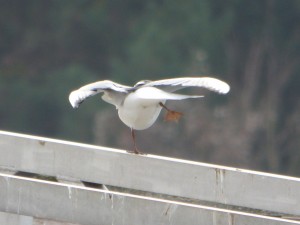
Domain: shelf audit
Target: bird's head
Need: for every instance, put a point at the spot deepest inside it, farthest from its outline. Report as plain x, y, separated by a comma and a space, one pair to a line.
141, 83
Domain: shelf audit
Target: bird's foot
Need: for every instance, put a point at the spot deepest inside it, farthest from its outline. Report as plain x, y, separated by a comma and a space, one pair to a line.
135, 151
173, 116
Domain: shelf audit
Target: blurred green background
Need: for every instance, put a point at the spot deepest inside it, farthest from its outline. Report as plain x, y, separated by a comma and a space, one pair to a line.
48, 48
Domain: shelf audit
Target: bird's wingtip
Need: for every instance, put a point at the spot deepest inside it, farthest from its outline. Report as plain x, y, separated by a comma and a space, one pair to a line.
226, 89
220, 86
73, 99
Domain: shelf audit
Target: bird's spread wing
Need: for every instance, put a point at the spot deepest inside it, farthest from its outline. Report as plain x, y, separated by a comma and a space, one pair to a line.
78, 96
175, 84
157, 94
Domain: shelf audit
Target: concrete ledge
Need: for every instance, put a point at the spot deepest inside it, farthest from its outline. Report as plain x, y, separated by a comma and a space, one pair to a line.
151, 173
87, 206
15, 219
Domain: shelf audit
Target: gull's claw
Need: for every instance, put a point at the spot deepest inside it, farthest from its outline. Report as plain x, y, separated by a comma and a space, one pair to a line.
135, 151
173, 116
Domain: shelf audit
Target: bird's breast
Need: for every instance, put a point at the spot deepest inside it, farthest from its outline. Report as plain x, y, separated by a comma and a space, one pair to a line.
139, 114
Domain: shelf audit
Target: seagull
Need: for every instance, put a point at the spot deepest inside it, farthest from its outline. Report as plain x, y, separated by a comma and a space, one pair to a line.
139, 106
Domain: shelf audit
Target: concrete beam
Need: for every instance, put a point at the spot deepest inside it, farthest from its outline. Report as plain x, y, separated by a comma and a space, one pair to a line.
150, 173
15, 219
87, 206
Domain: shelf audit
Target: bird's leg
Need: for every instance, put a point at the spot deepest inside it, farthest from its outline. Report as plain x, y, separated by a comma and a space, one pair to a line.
135, 151
171, 115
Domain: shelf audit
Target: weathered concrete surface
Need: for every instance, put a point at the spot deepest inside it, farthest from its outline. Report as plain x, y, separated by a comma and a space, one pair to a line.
76, 204
15, 219
150, 173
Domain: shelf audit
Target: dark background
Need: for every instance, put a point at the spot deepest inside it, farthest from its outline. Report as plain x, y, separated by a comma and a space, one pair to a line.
48, 48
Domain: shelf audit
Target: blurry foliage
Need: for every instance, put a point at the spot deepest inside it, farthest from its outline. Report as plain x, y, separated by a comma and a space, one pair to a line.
48, 48
40, 105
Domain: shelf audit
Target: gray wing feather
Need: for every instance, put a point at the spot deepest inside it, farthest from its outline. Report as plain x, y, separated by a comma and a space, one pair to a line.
175, 84
78, 96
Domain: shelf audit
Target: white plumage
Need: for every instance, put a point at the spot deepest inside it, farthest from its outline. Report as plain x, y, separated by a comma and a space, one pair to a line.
139, 106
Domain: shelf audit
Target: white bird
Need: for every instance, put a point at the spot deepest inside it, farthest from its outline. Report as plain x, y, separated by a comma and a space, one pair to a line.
139, 106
